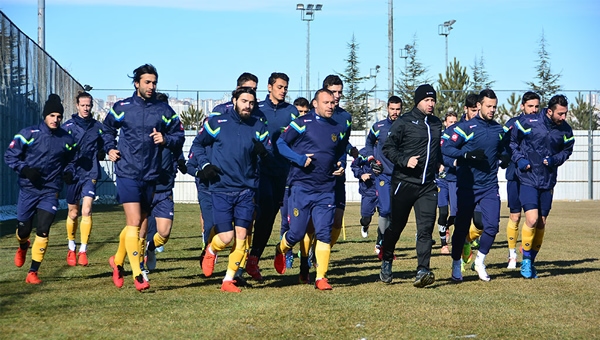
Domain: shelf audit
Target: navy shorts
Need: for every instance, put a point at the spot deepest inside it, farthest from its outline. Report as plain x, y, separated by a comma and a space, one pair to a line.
29, 202
368, 204
305, 204
512, 192
163, 205
447, 195
384, 195
135, 191
80, 189
487, 201
340, 193
232, 207
205, 201
533, 198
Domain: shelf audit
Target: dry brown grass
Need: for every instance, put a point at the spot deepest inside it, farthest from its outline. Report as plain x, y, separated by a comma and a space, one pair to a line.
83, 303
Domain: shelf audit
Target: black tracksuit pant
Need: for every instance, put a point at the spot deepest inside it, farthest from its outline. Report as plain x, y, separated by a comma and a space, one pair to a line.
423, 198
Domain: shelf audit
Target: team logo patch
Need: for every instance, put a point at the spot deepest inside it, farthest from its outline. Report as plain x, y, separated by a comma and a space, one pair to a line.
441, 142
94, 181
221, 120
43, 250
381, 183
454, 137
296, 212
334, 137
12, 144
472, 126
135, 253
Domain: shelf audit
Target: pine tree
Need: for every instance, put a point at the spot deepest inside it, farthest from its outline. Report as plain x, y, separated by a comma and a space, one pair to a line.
480, 79
414, 75
579, 115
514, 108
192, 118
355, 100
546, 83
452, 89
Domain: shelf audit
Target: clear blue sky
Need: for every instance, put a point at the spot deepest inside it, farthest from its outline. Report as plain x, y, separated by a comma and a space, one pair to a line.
205, 45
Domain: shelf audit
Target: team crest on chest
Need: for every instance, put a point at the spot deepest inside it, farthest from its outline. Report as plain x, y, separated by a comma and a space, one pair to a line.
334, 137
381, 183
296, 212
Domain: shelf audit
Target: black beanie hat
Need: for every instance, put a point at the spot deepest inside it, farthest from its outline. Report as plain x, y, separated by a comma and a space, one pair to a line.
423, 92
53, 105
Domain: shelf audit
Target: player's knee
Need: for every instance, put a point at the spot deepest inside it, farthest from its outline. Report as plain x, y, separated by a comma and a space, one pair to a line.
365, 220
24, 229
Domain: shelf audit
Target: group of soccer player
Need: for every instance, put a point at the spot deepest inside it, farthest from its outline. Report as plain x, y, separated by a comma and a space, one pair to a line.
252, 160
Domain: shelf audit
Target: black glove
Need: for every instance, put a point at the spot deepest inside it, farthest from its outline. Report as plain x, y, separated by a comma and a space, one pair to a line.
354, 152
67, 177
181, 166
476, 155
259, 149
376, 166
504, 161
101, 155
32, 174
211, 171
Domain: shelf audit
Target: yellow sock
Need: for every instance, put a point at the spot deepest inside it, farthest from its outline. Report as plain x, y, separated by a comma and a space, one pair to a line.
21, 241
527, 236
217, 245
335, 234
474, 233
86, 228
159, 240
538, 239
512, 233
121, 251
211, 235
235, 259
246, 250
322, 252
132, 245
283, 246
142, 249
39, 248
71, 228
305, 245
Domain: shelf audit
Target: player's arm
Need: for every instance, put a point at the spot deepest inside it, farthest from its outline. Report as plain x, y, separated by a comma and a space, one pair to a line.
287, 138
174, 136
452, 147
201, 142
517, 138
15, 154
561, 157
371, 141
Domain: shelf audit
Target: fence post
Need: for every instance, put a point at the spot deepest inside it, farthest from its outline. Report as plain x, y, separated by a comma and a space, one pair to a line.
590, 151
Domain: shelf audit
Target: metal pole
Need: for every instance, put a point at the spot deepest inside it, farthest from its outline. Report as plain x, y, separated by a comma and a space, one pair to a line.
308, 59
446, 52
42, 23
590, 152
391, 48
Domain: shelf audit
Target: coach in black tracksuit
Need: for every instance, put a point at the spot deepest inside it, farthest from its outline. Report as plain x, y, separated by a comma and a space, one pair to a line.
413, 146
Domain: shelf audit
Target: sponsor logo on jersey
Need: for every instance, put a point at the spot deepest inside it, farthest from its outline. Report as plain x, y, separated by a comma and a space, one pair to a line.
11, 145
454, 137
415, 122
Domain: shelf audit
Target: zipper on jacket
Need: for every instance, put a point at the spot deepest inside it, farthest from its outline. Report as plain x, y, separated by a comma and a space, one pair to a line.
428, 149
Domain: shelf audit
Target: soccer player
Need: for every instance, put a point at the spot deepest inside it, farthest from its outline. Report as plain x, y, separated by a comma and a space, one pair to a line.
278, 114
413, 146
160, 220
382, 167
446, 183
302, 105
361, 167
145, 126
477, 147
530, 104
39, 154
334, 84
87, 133
540, 143
245, 79
237, 140
314, 143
